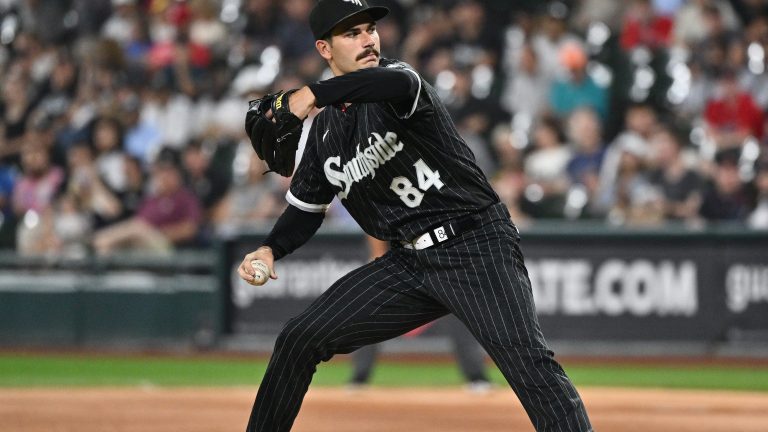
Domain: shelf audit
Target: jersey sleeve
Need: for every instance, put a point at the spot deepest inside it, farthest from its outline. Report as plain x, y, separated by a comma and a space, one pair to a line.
310, 190
420, 104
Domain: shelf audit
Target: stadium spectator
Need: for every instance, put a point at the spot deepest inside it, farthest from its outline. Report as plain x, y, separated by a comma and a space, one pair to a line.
392, 31
589, 12
180, 62
293, 34
137, 47
509, 180
553, 35
175, 71
206, 29
688, 28
507, 147
91, 14
679, 185
85, 189
120, 25
725, 197
429, 34
253, 198
577, 89
527, 88
643, 27
39, 181
640, 121
260, 22
585, 135
545, 169
711, 50
732, 115
698, 92
630, 198
475, 42
169, 216
516, 36
58, 92
170, 113
106, 138
33, 196
17, 105
472, 128
474, 116
41, 131
143, 138
71, 227
43, 18
135, 187
207, 183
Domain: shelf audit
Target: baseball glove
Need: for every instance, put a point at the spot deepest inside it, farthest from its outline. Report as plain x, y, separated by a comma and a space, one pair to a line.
277, 139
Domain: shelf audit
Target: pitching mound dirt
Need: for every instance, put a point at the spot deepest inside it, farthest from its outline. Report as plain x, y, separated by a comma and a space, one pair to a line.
369, 410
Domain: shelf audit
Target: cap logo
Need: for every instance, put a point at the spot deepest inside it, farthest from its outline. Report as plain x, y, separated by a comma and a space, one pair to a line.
327, 14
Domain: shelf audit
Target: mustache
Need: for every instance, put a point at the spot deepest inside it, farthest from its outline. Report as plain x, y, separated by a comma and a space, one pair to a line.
366, 53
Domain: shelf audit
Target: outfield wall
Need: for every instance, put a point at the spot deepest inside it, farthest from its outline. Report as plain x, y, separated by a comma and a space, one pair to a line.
590, 284
141, 301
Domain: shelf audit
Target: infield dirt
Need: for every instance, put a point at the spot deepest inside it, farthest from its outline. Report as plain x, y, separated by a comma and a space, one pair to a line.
369, 410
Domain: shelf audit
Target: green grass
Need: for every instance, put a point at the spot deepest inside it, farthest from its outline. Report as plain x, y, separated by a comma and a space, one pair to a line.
688, 377
29, 370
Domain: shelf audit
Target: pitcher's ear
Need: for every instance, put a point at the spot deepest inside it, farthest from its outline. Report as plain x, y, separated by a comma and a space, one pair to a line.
323, 47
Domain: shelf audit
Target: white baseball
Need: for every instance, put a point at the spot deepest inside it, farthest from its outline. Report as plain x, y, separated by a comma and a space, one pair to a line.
261, 275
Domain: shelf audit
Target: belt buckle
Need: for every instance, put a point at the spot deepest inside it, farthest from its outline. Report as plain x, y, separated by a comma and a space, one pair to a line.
429, 238
422, 242
442, 233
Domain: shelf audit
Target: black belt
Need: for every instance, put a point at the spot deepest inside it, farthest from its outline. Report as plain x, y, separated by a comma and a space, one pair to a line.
446, 231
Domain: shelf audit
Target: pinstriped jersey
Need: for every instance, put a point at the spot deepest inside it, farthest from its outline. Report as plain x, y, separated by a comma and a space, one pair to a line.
398, 171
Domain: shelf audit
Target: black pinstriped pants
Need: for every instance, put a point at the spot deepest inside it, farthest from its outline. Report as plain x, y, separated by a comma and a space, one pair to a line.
479, 276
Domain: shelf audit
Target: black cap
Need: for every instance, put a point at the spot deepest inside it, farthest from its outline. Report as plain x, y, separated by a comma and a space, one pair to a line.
328, 13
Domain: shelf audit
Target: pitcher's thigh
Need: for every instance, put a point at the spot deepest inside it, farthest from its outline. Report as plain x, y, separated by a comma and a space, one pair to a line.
373, 303
483, 281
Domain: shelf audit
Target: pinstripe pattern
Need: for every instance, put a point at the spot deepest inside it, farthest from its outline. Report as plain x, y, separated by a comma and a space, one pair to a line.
480, 277
428, 134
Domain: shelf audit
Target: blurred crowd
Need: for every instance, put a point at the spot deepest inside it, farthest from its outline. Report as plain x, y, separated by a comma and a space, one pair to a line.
121, 121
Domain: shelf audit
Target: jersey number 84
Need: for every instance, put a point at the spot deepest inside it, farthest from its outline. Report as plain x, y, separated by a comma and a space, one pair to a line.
426, 178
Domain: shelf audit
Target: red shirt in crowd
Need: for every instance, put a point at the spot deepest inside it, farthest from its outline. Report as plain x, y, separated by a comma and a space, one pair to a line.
165, 210
741, 113
654, 33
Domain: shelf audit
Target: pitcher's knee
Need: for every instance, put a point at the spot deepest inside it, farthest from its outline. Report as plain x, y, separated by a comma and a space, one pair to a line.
300, 338
294, 334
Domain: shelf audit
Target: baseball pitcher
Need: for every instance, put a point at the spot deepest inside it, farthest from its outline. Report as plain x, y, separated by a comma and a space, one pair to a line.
387, 148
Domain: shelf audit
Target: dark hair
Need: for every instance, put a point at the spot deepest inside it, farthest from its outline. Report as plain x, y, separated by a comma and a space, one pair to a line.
553, 123
194, 144
80, 144
728, 156
112, 121
167, 157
